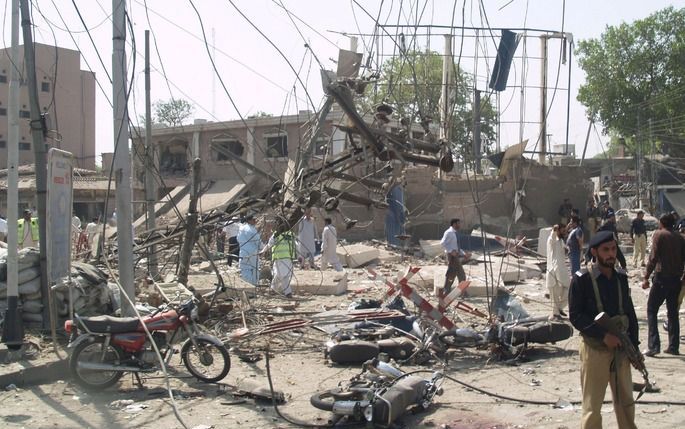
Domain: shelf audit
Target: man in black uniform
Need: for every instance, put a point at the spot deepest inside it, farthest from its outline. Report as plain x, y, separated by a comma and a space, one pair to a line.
601, 288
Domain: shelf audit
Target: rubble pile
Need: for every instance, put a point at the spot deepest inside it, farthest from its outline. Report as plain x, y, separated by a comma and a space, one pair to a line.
90, 292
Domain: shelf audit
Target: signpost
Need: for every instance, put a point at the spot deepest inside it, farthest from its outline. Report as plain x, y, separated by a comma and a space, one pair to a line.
59, 210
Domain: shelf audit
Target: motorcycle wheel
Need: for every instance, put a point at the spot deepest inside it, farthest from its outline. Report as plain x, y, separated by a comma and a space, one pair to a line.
207, 362
93, 352
324, 400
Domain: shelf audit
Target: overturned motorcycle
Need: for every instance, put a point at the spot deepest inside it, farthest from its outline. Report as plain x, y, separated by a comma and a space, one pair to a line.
379, 395
103, 348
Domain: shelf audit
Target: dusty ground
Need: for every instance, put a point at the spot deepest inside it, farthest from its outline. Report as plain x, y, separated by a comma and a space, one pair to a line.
298, 367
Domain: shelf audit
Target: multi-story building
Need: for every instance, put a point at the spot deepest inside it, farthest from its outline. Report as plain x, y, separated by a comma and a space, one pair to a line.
66, 93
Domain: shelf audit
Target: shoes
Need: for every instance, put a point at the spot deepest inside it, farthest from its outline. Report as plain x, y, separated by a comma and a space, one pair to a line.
650, 353
665, 325
672, 352
562, 314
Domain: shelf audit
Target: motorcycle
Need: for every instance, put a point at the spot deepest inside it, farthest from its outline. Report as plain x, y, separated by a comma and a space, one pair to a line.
380, 395
103, 348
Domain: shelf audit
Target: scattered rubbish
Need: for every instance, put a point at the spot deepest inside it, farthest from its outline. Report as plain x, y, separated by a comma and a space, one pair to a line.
134, 408
10, 387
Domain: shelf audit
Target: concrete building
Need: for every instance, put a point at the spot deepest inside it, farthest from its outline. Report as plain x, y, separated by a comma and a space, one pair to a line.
66, 93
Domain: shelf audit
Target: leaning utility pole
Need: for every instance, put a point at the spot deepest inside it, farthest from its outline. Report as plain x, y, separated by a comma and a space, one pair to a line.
476, 130
122, 161
543, 99
447, 65
150, 194
13, 328
39, 153
191, 225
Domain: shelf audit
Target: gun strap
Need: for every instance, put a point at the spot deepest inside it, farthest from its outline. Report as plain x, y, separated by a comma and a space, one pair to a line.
598, 298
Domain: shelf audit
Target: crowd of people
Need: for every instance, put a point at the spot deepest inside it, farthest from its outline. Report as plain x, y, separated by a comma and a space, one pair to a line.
300, 243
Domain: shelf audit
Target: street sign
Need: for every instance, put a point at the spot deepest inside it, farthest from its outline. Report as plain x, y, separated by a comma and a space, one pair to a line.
59, 210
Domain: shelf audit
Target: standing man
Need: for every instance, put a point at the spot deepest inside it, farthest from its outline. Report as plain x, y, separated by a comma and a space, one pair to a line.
592, 213
92, 229
3, 228
231, 230
638, 235
574, 243
453, 253
329, 243
666, 261
610, 225
249, 241
565, 211
557, 278
306, 239
27, 232
282, 245
601, 288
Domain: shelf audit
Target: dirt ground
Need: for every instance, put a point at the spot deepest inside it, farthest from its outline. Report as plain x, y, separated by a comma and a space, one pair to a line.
298, 368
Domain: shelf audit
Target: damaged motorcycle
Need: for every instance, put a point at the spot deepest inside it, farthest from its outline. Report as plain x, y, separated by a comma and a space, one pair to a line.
380, 395
103, 348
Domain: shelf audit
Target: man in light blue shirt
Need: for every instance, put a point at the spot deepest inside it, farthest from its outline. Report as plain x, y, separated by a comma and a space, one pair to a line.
250, 243
453, 253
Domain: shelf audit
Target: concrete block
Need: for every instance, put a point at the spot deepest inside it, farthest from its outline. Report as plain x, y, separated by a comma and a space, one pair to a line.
357, 255
431, 248
319, 282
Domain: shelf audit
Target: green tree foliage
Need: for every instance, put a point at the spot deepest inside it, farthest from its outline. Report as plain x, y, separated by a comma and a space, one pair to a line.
173, 112
636, 73
412, 85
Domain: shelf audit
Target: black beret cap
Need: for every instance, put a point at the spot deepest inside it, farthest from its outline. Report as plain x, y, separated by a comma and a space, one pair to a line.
601, 237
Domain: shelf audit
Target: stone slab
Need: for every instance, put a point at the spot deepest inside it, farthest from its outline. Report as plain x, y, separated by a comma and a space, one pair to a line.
319, 282
431, 248
357, 255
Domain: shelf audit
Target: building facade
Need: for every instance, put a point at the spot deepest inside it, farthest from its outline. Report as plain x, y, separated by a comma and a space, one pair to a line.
66, 93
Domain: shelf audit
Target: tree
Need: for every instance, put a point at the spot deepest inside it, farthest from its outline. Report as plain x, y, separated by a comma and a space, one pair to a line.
412, 85
173, 112
635, 80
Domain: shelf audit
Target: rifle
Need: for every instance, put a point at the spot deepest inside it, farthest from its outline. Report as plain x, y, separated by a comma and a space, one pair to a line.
634, 355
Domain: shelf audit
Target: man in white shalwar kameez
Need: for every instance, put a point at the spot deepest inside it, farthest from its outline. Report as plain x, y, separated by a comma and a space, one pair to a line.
306, 240
329, 243
558, 277
282, 246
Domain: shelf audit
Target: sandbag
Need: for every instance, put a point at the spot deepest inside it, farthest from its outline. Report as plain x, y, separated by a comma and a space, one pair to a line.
30, 287
31, 317
354, 351
28, 256
31, 296
28, 274
32, 306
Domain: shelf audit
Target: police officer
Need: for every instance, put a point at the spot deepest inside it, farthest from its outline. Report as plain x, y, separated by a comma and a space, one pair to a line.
602, 288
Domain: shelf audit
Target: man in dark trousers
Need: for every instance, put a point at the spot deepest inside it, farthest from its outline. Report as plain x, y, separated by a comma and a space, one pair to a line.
638, 235
603, 288
666, 261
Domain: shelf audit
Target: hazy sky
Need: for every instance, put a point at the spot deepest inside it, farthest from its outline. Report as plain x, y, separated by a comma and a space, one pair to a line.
258, 78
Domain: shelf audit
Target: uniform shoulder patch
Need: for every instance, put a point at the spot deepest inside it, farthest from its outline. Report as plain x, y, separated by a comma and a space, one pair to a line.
581, 271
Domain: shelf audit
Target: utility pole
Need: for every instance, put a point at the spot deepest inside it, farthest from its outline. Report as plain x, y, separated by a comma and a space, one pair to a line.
191, 225
543, 99
122, 160
638, 161
13, 328
150, 194
39, 153
476, 130
445, 94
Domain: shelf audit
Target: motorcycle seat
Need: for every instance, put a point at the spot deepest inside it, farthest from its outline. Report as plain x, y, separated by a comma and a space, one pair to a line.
110, 324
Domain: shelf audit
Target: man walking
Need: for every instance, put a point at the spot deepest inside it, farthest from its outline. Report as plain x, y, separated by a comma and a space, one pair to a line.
27, 231
638, 235
282, 245
601, 288
558, 277
592, 213
249, 242
574, 243
231, 230
666, 261
306, 240
453, 253
329, 244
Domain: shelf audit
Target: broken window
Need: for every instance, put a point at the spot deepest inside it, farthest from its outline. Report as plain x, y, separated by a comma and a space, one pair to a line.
277, 146
173, 157
322, 146
228, 144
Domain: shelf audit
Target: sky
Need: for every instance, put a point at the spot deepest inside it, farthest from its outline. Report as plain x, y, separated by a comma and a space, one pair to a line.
256, 74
